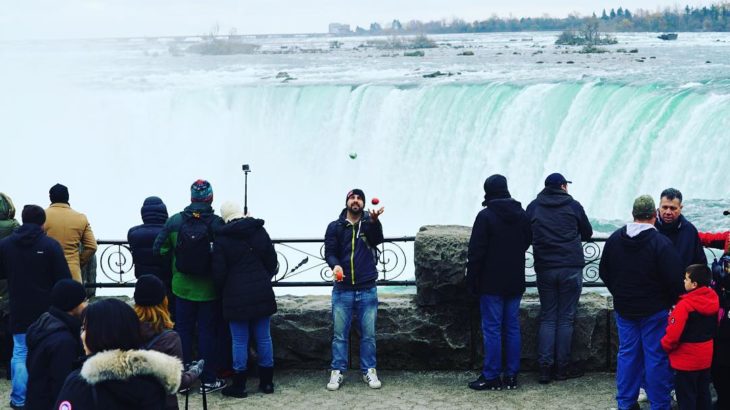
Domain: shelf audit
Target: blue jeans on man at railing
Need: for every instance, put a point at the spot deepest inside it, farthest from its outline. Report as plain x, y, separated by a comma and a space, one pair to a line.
500, 316
18, 371
345, 303
559, 291
642, 358
261, 328
206, 316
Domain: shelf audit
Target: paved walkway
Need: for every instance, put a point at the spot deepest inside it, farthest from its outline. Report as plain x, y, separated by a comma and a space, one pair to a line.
304, 389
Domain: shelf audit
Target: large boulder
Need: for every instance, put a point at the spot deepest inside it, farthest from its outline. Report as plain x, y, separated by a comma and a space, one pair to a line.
440, 258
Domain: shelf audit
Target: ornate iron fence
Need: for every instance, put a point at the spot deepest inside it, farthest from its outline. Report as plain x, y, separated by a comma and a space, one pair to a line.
302, 258
298, 258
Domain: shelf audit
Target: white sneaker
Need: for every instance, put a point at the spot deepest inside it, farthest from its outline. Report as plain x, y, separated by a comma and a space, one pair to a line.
371, 378
336, 380
643, 398
674, 395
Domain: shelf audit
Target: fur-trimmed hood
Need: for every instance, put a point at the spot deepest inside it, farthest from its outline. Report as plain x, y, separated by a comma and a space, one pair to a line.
125, 364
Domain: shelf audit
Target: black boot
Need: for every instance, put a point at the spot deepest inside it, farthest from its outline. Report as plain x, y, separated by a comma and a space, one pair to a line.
546, 373
238, 387
266, 379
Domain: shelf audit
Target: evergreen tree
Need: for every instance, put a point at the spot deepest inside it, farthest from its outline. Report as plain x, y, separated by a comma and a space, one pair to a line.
613, 14
604, 16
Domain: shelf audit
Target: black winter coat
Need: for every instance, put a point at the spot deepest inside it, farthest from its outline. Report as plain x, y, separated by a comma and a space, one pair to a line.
358, 262
496, 259
121, 380
643, 273
244, 261
54, 351
686, 240
142, 237
32, 262
559, 225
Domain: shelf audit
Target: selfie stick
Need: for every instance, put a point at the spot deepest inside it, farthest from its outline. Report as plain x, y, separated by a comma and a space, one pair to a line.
246, 170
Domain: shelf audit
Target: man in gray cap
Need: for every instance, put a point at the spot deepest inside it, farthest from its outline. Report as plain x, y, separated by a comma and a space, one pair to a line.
644, 273
559, 225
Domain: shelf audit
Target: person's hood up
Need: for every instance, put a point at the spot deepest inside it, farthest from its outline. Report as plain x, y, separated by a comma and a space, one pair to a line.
506, 209
154, 211
27, 234
703, 300
551, 196
122, 365
7, 209
241, 228
49, 323
637, 242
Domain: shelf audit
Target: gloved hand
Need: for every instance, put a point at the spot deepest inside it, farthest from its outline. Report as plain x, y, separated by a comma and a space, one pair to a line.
196, 368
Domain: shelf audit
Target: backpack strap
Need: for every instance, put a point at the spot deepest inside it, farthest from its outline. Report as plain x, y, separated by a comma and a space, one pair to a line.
148, 345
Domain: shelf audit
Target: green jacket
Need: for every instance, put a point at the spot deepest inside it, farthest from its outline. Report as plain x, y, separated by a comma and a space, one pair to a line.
189, 287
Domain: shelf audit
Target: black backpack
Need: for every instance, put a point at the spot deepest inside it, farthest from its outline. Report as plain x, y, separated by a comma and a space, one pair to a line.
194, 245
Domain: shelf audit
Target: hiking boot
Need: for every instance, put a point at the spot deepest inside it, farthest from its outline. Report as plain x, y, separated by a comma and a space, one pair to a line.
215, 385
546, 375
482, 383
266, 380
570, 371
336, 379
371, 378
510, 382
237, 388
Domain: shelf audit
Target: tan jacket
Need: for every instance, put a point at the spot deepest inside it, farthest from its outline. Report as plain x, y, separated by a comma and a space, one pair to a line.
71, 228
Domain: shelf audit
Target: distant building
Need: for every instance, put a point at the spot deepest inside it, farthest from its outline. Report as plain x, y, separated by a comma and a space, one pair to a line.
339, 29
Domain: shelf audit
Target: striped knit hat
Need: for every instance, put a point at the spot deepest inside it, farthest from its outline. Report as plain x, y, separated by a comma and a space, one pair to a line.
201, 191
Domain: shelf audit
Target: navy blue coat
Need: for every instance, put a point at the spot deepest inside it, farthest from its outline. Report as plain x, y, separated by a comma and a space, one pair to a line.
244, 260
643, 273
685, 239
358, 262
559, 225
54, 351
496, 258
142, 237
32, 263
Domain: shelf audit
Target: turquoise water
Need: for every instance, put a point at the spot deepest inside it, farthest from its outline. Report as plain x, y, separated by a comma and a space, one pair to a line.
119, 120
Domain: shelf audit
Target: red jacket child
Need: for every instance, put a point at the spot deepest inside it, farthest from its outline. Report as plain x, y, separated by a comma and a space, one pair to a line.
691, 328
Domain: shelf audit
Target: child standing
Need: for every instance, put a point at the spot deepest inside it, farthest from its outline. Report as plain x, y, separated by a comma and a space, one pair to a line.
689, 338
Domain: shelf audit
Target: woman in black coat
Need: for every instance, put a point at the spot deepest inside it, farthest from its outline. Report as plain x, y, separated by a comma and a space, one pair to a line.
116, 374
244, 261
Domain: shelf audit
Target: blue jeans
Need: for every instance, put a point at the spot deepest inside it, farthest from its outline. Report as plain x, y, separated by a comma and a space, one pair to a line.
559, 291
264, 347
204, 315
18, 371
641, 357
500, 317
345, 303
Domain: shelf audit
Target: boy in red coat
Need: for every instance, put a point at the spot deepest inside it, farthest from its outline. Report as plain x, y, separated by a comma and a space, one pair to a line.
689, 339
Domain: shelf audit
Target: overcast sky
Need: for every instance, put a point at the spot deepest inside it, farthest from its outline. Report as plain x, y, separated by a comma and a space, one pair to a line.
121, 18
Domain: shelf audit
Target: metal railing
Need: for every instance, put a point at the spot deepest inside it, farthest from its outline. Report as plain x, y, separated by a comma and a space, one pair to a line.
299, 258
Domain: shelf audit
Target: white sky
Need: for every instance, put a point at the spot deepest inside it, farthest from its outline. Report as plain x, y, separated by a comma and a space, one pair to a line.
122, 18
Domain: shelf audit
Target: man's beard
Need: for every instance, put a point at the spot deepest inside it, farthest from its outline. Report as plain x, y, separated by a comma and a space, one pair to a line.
353, 211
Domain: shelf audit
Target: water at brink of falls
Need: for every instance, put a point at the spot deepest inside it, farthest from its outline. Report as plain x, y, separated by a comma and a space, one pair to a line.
119, 120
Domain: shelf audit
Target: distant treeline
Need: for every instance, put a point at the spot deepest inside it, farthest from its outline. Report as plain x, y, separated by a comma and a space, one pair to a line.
713, 18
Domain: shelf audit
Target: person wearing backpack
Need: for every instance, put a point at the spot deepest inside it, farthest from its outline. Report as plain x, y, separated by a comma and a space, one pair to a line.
188, 237
244, 260
150, 305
